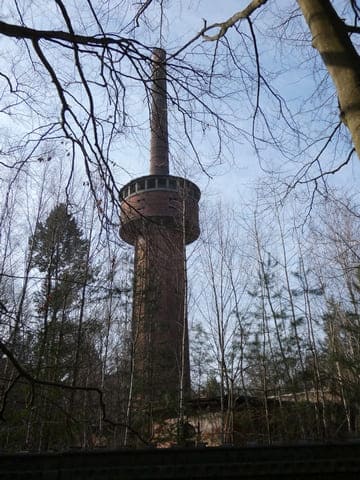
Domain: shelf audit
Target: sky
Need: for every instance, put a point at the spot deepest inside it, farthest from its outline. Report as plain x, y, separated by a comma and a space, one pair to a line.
288, 64
294, 71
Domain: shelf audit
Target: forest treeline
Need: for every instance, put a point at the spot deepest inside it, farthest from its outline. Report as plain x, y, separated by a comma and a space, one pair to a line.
273, 308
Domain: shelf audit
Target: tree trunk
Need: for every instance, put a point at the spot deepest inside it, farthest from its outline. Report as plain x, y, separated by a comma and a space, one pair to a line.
331, 39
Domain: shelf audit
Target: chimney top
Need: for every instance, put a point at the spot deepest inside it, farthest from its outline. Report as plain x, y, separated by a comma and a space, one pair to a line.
159, 149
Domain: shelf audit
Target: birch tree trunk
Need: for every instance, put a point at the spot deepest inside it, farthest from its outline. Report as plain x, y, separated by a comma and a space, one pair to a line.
331, 38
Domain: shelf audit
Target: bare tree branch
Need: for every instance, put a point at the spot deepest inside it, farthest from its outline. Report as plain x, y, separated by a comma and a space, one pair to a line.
23, 373
230, 22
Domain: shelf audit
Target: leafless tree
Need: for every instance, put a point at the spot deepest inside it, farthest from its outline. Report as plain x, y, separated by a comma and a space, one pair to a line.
78, 81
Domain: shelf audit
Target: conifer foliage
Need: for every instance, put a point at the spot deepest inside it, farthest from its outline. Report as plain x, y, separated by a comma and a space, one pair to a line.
60, 252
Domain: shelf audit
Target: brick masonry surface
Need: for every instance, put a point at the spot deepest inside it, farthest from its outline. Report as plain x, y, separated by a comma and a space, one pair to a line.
330, 461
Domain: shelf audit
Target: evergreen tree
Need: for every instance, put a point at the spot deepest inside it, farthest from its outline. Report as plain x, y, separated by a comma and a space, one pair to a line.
62, 346
341, 357
61, 253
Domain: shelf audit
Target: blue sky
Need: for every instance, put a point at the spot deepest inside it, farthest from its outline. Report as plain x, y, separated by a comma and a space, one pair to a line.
287, 64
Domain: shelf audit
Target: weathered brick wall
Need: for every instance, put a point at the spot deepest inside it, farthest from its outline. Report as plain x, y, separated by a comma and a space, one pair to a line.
326, 462
159, 320
159, 216
159, 207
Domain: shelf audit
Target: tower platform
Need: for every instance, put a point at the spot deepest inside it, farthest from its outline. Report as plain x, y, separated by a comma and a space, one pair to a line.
163, 200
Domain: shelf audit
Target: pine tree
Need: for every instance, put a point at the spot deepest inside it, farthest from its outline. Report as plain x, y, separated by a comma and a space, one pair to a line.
60, 346
61, 253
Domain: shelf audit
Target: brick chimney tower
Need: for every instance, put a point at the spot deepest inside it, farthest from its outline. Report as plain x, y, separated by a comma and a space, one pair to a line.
160, 216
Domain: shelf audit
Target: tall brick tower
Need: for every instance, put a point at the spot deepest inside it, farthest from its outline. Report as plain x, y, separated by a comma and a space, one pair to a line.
160, 216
